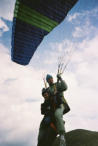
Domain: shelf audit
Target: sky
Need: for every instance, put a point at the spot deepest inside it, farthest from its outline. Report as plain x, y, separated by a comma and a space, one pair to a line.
20, 86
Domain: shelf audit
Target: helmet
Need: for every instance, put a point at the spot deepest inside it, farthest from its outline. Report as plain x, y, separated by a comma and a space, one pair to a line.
48, 77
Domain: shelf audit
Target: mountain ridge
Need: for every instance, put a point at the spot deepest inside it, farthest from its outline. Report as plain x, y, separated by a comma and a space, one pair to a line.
80, 137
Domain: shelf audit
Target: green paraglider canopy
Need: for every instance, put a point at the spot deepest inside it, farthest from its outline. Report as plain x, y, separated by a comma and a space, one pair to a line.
33, 19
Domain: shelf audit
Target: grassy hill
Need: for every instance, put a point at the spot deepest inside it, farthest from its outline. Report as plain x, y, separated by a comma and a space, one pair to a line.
80, 137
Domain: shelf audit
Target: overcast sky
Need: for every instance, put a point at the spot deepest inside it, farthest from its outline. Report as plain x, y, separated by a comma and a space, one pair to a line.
20, 86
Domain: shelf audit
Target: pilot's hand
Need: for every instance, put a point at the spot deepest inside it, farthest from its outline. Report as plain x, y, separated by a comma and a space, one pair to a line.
59, 76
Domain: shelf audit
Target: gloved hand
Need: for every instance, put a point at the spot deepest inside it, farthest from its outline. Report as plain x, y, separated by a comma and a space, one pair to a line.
59, 77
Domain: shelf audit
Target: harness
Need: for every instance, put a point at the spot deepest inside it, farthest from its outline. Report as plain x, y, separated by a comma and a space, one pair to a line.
54, 97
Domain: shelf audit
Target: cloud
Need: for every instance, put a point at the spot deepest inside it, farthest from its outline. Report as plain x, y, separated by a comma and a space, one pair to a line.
20, 87
5, 32
3, 27
83, 22
7, 8
83, 90
83, 30
64, 50
70, 18
76, 17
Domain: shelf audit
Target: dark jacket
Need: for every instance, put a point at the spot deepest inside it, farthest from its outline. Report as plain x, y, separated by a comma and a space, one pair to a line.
47, 111
46, 108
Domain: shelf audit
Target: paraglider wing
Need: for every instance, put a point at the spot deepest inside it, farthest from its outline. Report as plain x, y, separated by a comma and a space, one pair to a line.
33, 19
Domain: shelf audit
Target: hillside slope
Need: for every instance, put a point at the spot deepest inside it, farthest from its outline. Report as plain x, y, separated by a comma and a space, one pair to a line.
80, 137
